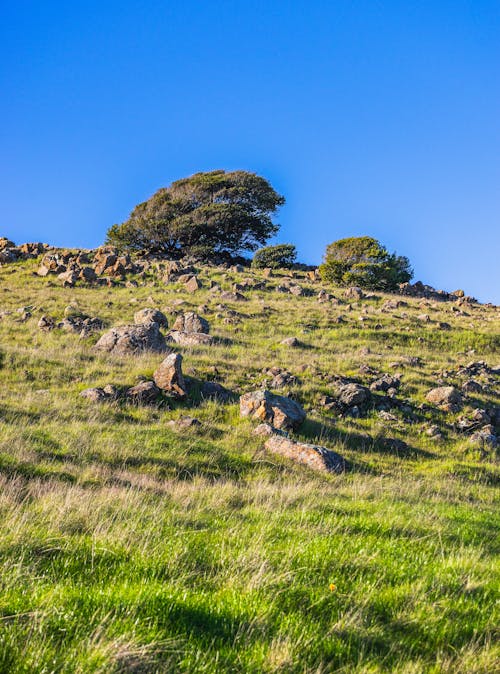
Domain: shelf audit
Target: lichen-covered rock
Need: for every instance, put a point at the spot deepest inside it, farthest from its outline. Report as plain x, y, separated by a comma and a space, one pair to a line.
190, 338
215, 391
447, 397
145, 393
150, 316
95, 395
132, 339
313, 456
279, 411
191, 322
353, 394
168, 376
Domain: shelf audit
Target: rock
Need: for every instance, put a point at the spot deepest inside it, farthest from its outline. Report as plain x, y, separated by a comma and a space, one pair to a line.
145, 393
150, 316
233, 297
132, 339
434, 432
46, 323
352, 394
447, 397
354, 293
282, 378
95, 395
191, 322
385, 383
168, 376
290, 341
484, 438
69, 278
215, 391
190, 338
313, 456
193, 284
471, 386
183, 423
112, 393
86, 274
264, 430
280, 411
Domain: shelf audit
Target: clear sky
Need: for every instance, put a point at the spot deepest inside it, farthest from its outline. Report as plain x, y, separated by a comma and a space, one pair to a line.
373, 117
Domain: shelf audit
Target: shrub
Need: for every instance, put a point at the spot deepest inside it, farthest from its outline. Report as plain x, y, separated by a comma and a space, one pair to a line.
282, 255
364, 262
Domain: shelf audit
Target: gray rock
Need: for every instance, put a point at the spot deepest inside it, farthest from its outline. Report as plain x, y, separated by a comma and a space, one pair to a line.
279, 411
446, 397
352, 395
168, 376
215, 391
145, 393
313, 456
150, 316
191, 322
190, 338
132, 339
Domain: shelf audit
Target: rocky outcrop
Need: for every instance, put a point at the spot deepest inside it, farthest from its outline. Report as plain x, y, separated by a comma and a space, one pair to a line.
280, 411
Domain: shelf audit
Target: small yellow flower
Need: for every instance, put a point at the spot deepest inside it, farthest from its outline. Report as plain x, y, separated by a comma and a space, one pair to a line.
333, 587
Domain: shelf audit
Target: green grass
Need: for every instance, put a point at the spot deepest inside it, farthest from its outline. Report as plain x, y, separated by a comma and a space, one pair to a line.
129, 547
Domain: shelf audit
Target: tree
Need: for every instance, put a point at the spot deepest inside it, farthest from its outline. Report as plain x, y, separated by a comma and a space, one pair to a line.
282, 256
206, 214
364, 262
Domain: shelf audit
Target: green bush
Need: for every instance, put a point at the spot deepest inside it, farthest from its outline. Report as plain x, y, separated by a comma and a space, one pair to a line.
363, 261
282, 256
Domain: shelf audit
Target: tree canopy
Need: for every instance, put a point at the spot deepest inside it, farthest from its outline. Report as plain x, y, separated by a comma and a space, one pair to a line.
217, 212
364, 262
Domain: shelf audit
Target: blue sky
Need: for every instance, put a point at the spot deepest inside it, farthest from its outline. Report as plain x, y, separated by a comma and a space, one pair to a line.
371, 117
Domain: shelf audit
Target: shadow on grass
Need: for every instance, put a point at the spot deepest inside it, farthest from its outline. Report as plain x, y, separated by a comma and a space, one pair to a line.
318, 432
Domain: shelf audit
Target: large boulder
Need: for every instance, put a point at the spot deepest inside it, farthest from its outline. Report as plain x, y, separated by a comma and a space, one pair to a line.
280, 411
447, 397
150, 316
169, 377
132, 339
313, 456
191, 322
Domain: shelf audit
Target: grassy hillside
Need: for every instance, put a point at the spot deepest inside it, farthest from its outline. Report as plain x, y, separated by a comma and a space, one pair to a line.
131, 546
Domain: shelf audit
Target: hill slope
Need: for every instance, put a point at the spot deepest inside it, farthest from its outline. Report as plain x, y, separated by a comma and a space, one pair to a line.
133, 545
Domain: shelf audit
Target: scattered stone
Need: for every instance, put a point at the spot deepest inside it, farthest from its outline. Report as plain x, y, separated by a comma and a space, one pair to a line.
191, 322
313, 456
446, 397
385, 383
183, 423
193, 284
145, 393
132, 339
352, 394
280, 411
354, 293
46, 323
190, 338
150, 316
264, 429
290, 341
95, 395
168, 376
